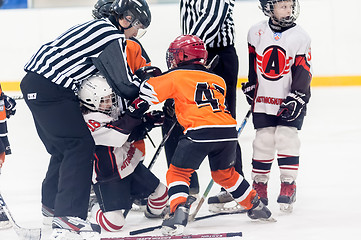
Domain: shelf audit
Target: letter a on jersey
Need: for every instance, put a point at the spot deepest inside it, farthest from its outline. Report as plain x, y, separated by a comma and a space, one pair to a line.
273, 64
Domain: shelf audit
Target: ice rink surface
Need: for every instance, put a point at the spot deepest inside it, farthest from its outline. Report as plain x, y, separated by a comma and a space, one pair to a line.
328, 185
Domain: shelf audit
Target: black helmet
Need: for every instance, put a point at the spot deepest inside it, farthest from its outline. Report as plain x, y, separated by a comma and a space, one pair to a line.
138, 8
267, 7
102, 9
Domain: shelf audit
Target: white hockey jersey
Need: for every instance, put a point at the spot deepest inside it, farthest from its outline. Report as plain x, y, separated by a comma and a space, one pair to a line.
280, 62
114, 156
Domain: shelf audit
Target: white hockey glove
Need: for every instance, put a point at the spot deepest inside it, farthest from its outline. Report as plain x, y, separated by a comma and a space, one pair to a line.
292, 106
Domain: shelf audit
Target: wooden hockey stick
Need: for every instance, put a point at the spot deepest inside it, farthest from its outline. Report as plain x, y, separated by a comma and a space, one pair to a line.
23, 233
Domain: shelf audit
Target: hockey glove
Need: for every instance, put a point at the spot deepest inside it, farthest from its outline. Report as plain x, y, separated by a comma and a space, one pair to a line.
10, 106
292, 106
137, 108
248, 90
168, 108
150, 120
147, 72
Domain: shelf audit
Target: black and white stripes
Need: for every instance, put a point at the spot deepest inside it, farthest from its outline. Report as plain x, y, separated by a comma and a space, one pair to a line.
66, 61
211, 20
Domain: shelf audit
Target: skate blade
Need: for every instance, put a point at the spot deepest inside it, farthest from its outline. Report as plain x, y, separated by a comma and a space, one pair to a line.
287, 208
5, 225
220, 208
168, 231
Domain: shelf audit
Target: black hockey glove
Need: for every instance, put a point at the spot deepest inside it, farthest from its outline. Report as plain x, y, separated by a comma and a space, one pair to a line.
10, 106
150, 120
168, 108
137, 108
292, 106
147, 72
248, 90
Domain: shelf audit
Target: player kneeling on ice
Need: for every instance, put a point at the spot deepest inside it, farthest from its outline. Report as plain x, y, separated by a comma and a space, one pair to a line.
209, 130
119, 174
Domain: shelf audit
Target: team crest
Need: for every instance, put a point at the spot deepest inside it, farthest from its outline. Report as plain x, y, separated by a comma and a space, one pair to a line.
277, 36
274, 63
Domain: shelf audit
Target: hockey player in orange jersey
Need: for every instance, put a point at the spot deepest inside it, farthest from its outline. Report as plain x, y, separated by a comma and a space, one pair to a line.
209, 130
7, 109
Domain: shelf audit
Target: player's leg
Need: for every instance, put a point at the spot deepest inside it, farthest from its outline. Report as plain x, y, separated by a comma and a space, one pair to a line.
263, 157
187, 158
221, 159
152, 189
288, 146
113, 198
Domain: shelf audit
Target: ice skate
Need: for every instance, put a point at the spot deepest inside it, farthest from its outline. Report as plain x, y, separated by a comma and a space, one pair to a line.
149, 214
224, 202
287, 196
261, 189
175, 223
66, 228
4, 220
48, 215
259, 211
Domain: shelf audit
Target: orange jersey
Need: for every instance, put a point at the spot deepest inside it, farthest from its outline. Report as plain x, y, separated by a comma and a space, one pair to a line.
2, 107
136, 56
199, 97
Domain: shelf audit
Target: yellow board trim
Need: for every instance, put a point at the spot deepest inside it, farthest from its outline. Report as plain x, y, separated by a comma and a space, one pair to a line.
316, 82
326, 81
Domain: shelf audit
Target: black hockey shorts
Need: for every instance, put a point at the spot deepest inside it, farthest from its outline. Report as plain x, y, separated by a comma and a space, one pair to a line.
262, 120
190, 154
119, 194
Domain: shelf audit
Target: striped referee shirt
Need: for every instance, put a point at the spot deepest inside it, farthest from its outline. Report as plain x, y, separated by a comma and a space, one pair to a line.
210, 20
66, 61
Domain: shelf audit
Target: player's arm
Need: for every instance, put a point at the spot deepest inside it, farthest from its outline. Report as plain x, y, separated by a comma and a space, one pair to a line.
294, 104
249, 87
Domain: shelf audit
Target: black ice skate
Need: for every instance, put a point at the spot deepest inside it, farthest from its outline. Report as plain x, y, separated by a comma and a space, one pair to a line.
259, 211
287, 196
175, 223
4, 220
224, 202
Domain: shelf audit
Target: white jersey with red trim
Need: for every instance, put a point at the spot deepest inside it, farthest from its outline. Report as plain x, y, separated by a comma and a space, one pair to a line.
112, 148
282, 63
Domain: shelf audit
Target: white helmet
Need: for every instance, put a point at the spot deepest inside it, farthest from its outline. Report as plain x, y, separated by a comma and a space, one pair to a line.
94, 92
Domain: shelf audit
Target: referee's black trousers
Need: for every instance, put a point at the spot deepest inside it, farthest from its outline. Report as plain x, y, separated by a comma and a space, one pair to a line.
63, 131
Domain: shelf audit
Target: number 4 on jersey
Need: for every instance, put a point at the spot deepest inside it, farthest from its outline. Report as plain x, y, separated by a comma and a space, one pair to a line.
204, 96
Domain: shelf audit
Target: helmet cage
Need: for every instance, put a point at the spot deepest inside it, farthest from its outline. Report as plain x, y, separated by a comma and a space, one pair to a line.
139, 9
96, 95
267, 7
186, 49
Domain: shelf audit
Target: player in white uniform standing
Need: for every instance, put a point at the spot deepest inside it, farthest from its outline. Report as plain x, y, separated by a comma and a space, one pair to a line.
278, 90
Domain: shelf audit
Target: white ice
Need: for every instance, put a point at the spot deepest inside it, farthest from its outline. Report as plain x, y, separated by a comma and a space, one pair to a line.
328, 190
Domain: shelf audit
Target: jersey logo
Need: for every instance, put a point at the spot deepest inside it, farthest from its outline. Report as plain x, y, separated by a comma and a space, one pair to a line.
277, 36
273, 64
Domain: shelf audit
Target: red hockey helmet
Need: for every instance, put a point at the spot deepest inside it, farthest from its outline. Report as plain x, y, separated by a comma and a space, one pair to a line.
186, 49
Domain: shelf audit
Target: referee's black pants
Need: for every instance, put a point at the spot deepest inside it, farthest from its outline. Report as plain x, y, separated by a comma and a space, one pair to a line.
62, 129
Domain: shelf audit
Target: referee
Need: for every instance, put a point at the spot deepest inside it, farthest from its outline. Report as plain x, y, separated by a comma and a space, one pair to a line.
54, 74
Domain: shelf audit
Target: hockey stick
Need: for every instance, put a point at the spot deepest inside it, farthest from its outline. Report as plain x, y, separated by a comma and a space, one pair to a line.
17, 97
149, 229
210, 184
202, 235
204, 196
161, 145
23, 233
